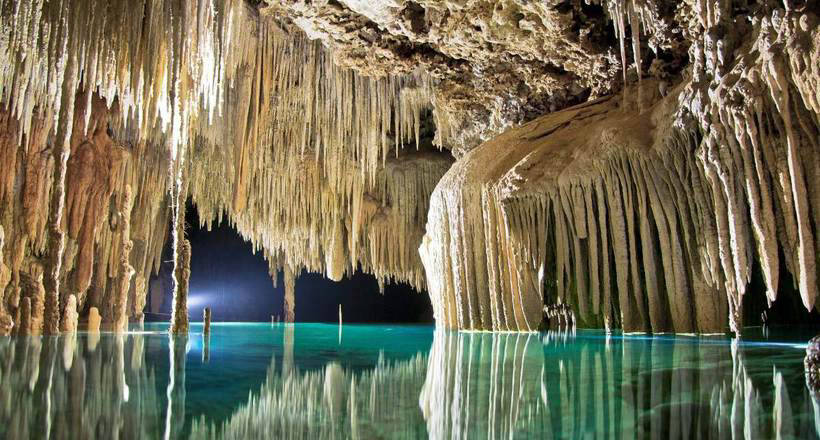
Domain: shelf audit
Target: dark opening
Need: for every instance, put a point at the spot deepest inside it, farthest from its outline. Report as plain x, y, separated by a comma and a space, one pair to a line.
234, 282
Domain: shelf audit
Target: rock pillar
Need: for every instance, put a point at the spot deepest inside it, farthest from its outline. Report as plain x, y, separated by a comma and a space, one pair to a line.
120, 317
206, 321
290, 286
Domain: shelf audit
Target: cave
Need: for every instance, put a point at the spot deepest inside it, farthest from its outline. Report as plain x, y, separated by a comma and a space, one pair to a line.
409, 219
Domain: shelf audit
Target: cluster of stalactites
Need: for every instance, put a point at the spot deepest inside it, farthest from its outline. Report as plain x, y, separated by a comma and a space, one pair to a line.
184, 72
301, 219
646, 231
218, 96
755, 100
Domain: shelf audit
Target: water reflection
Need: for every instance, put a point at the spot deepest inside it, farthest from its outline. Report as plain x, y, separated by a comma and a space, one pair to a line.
465, 385
76, 387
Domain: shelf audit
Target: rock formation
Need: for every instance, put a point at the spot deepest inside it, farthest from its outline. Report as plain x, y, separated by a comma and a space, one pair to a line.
290, 289
637, 160
68, 320
644, 212
6, 323
93, 320
119, 318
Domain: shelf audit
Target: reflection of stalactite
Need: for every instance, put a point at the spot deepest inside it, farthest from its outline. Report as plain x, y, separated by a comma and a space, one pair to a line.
486, 377
488, 385
287, 344
76, 391
330, 403
175, 393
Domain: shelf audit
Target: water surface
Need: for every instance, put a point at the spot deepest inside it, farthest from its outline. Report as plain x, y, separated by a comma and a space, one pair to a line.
312, 381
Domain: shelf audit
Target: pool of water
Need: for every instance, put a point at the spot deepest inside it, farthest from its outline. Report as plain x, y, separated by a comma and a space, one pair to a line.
313, 381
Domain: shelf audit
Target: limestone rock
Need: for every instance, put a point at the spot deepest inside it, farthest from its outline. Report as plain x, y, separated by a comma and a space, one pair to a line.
812, 365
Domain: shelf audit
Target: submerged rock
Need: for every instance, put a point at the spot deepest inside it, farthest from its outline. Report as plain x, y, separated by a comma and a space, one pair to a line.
812, 365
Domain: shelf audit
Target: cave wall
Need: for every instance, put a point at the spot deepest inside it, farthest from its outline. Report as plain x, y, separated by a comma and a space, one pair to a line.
99, 169
641, 211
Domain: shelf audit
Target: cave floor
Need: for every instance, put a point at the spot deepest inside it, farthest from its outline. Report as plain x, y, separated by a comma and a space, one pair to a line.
263, 380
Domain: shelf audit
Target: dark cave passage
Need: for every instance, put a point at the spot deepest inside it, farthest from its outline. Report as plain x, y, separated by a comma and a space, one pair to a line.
228, 277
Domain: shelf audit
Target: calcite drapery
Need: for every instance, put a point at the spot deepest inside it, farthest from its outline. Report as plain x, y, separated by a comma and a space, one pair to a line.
641, 213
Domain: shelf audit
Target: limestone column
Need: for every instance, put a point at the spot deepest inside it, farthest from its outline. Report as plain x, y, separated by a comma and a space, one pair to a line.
175, 411
24, 326
56, 235
182, 272
6, 323
206, 321
290, 285
120, 317
182, 259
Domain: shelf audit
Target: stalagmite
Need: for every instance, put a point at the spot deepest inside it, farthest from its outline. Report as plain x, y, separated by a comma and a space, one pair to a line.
93, 320
179, 316
24, 327
290, 287
68, 324
6, 323
206, 321
31, 285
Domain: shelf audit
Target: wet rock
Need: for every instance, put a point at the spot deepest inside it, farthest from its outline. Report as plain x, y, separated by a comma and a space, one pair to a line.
812, 365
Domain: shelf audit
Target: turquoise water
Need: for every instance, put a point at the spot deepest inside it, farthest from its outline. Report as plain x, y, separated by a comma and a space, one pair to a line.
312, 381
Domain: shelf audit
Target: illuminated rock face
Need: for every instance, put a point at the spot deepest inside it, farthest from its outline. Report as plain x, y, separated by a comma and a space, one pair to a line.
311, 126
643, 212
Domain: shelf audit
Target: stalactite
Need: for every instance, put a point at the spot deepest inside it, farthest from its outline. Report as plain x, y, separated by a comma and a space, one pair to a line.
270, 131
